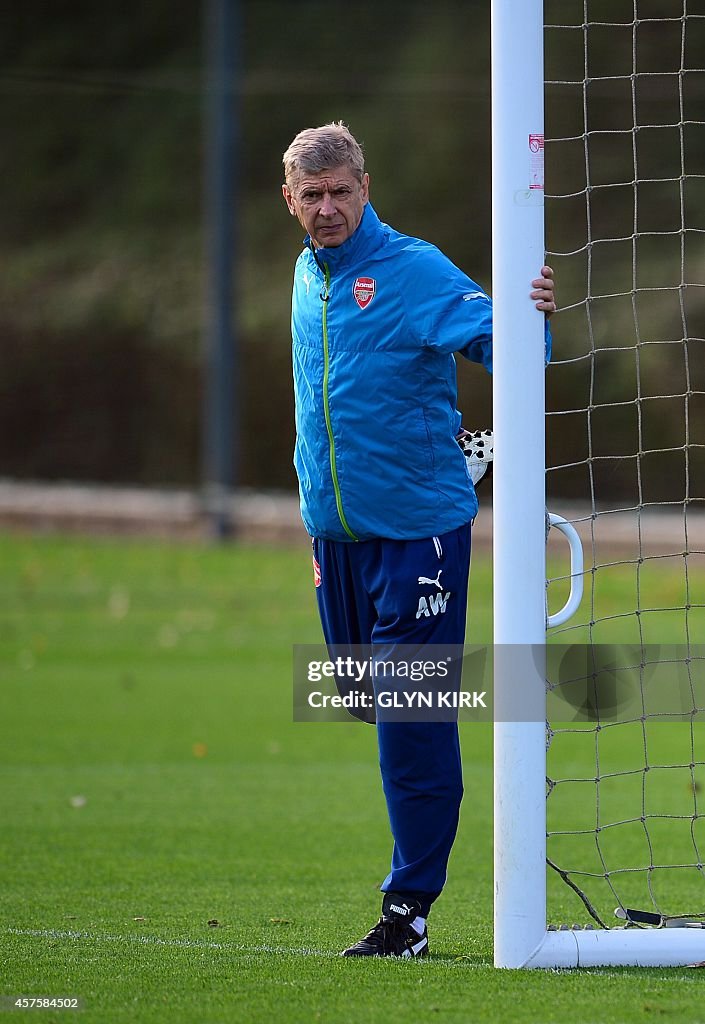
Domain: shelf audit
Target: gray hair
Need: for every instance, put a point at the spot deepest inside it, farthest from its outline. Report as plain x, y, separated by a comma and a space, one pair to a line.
319, 149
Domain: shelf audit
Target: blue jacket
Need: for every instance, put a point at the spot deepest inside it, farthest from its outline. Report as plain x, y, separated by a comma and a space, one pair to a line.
375, 323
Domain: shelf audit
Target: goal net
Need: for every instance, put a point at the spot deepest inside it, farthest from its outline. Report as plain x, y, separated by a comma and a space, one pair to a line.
625, 233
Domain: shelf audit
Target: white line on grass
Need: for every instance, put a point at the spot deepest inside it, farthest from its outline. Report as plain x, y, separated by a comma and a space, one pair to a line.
251, 951
154, 940
235, 947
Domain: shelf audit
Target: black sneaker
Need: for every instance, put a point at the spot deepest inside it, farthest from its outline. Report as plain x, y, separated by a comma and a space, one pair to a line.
394, 934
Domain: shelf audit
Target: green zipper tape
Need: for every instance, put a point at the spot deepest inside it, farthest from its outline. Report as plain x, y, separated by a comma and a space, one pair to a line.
329, 426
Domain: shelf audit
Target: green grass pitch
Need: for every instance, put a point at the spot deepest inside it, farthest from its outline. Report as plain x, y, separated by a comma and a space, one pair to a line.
175, 848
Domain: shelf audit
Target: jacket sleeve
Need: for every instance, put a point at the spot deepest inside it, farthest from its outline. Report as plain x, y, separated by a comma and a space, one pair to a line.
451, 313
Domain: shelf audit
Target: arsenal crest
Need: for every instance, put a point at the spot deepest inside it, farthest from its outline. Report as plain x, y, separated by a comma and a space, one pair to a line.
364, 291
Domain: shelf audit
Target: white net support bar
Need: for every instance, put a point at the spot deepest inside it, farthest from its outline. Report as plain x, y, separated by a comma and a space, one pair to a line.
609, 790
625, 227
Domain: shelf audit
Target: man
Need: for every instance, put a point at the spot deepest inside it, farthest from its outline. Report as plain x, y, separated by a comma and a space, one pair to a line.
386, 493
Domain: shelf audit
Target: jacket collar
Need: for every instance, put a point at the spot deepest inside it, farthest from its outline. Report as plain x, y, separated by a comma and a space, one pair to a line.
365, 239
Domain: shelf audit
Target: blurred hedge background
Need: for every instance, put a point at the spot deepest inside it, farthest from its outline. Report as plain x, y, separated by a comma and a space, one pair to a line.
101, 290
100, 227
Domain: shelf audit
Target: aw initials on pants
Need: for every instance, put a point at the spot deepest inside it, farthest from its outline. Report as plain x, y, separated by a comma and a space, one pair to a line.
433, 605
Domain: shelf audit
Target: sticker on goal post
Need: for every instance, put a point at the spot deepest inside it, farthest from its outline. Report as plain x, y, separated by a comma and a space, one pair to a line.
536, 162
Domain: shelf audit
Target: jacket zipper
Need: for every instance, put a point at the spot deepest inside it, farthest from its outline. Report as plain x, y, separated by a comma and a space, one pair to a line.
325, 296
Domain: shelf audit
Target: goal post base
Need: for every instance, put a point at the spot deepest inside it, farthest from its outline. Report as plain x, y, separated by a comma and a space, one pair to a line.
617, 947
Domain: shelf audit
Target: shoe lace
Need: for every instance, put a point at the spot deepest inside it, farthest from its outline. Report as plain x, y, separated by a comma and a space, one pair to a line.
386, 929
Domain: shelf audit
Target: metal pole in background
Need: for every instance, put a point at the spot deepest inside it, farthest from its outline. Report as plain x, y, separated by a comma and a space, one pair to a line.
220, 450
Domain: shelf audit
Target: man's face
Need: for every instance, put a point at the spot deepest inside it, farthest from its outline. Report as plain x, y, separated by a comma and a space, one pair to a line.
328, 204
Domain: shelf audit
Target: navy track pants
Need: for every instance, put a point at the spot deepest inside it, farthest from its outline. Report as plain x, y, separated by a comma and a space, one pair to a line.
369, 593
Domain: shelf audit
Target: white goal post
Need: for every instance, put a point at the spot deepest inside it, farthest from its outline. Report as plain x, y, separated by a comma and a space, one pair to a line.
522, 939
